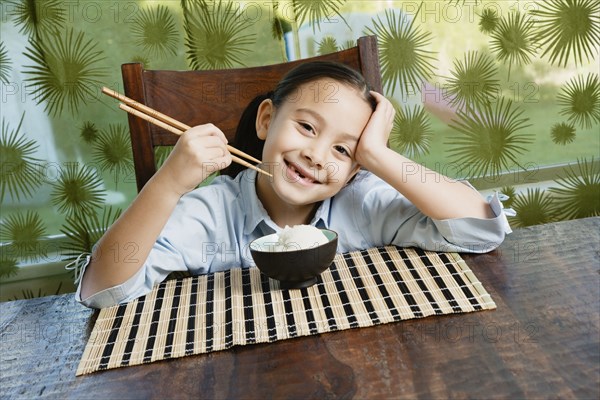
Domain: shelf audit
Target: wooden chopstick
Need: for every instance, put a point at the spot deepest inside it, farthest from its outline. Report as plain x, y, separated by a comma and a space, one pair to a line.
165, 118
172, 125
179, 132
151, 119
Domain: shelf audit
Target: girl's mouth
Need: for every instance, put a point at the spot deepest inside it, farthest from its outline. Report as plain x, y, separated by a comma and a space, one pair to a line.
297, 174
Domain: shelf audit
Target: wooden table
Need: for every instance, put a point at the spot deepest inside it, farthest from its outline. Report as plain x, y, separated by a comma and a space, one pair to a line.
541, 342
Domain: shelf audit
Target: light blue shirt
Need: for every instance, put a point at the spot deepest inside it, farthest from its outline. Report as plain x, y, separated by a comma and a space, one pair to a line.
211, 229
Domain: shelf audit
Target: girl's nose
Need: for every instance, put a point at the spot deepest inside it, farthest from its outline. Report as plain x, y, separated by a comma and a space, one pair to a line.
315, 155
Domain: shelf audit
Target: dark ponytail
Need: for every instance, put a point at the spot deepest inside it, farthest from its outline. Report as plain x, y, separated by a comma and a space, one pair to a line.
246, 138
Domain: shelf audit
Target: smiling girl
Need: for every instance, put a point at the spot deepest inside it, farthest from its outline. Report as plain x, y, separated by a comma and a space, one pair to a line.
323, 136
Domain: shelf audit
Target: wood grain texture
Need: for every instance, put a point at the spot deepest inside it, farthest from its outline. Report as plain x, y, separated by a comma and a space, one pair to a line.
541, 342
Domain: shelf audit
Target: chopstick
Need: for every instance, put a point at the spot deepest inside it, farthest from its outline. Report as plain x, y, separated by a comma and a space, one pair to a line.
164, 118
177, 131
172, 125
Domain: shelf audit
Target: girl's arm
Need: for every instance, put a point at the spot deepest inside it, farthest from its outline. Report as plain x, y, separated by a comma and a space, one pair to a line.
436, 195
199, 152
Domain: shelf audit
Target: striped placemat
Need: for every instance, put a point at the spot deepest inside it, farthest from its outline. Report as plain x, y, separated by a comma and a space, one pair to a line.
213, 312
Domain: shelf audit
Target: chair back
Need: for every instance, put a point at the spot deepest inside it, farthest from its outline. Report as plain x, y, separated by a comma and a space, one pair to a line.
215, 96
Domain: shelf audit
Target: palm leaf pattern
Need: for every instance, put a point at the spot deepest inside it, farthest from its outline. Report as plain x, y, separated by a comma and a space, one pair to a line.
327, 45
215, 36
89, 132
78, 190
473, 81
315, 11
402, 52
277, 26
533, 208
23, 232
4, 64
578, 194
65, 71
8, 264
411, 133
37, 17
155, 31
513, 40
563, 133
568, 29
489, 141
511, 193
581, 100
488, 20
19, 173
112, 150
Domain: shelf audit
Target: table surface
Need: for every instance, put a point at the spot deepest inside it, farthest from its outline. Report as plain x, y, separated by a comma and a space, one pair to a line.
543, 340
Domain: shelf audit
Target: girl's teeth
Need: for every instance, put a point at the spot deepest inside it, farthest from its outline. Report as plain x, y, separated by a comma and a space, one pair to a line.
300, 174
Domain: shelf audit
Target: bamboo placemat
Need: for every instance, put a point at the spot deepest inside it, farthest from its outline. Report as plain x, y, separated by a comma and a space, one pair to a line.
213, 312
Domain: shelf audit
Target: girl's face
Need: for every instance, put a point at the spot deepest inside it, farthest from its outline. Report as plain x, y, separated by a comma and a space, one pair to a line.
310, 142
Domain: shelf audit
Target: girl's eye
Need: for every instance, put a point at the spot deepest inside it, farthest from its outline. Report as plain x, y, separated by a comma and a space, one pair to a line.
306, 127
342, 150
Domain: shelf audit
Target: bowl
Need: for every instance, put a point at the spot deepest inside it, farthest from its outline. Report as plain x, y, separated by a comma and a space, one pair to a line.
296, 268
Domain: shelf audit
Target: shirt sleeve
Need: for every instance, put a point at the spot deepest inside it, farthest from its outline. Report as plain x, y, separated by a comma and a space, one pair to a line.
475, 235
127, 291
162, 260
390, 218
183, 245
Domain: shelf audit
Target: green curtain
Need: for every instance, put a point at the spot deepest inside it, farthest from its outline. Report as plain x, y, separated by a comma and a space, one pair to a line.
505, 94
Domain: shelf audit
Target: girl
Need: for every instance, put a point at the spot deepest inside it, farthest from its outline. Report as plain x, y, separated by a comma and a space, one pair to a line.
323, 136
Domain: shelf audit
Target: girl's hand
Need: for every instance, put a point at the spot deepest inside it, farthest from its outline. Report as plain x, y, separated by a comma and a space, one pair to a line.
374, 138
199, 152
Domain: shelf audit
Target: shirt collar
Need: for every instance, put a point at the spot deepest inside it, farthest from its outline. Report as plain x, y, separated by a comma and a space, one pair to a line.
255, 214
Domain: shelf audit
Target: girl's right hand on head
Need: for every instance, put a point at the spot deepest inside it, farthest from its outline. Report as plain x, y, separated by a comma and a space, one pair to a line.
374, 138
199, 152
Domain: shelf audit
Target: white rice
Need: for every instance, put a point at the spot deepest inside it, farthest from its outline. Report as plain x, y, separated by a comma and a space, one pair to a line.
299, 237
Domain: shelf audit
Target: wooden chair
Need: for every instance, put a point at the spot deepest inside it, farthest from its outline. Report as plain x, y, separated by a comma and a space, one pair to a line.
216, 96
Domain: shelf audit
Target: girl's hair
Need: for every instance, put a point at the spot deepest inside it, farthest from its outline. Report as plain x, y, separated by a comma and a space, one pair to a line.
246, 138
